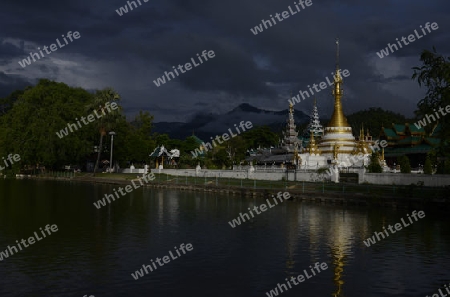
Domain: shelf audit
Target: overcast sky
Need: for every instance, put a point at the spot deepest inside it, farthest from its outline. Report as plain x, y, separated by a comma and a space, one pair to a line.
128, 52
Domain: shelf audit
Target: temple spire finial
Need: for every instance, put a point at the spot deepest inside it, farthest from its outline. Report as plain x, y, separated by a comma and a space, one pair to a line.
338, 118
337, 53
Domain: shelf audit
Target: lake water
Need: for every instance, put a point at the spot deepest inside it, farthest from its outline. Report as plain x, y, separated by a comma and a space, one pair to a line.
95, 251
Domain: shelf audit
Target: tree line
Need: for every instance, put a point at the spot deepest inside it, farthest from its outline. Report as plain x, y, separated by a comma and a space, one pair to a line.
30, 118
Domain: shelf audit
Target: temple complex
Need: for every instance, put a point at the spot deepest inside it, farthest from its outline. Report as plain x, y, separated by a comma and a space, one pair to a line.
334, 145
320, 147
406, 139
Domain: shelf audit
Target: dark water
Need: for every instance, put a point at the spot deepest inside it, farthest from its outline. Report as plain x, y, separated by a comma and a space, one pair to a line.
95, 251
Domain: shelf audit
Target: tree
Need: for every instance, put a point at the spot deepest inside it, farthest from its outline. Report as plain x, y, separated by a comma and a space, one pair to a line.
405, 166
374, 166
374, 119
109, 118
427, 167
7, 103
29, 127
434, 74
138, 141
260, 136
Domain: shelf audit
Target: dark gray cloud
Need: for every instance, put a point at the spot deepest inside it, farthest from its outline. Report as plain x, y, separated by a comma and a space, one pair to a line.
128, 52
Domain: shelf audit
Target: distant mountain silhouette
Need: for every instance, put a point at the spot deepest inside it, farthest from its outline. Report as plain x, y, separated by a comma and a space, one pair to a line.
205, 125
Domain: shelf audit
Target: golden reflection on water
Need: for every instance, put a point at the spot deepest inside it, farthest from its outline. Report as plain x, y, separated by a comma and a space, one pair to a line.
338, 262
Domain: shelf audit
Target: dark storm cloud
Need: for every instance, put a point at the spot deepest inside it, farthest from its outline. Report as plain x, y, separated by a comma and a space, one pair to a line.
9, 84
299, 51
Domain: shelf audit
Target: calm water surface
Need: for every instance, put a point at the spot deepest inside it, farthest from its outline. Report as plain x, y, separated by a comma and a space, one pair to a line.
95, 250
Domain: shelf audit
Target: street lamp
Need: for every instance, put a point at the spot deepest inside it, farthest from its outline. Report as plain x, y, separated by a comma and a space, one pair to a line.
112, 133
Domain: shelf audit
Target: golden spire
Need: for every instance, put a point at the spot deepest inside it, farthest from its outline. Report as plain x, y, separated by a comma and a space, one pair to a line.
312, 146
291, 106
361, 133
338, 118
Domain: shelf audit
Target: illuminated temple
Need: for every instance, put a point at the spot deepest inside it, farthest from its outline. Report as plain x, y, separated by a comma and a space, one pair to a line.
337, 145
331, 146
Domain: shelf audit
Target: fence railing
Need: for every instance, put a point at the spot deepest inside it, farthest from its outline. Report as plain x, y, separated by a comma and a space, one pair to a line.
413, 191
67, 174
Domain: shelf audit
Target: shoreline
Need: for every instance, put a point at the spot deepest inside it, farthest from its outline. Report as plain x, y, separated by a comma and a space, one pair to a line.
333, 198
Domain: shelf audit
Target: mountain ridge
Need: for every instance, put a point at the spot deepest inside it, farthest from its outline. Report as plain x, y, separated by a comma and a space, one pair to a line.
205, 125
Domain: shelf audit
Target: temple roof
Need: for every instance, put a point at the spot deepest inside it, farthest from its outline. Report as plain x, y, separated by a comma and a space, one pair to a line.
400, 129
389, 133
197, 140
400, 151
411, 140
414, 130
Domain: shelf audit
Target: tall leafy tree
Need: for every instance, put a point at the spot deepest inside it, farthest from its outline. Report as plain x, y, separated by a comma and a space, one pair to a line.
434, 74
139, 142
29, 127
109, 119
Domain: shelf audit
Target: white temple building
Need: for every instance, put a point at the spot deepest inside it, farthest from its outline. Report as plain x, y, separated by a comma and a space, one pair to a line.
337, 146
320, 147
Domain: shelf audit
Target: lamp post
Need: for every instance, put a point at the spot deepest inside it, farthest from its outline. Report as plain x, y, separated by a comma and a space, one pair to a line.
112, 133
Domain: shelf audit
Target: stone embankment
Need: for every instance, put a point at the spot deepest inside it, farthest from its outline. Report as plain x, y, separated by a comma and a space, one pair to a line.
336, 198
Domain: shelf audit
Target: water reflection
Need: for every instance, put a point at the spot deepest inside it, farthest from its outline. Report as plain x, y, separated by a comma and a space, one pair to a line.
96, 249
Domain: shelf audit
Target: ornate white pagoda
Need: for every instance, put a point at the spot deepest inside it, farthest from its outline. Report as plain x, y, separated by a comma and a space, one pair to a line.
290, 141
337, 146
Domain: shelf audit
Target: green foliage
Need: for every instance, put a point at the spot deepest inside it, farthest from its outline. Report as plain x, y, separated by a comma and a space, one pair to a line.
260, 136
323, 170
405, 166
427, 168
138, 143
7, 103
434, 74
374, 166
31, 118
374, 119
29, 127
109, 120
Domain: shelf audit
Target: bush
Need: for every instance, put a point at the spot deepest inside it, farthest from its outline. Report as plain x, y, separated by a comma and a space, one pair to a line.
405, 166
427, 167
374, 166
